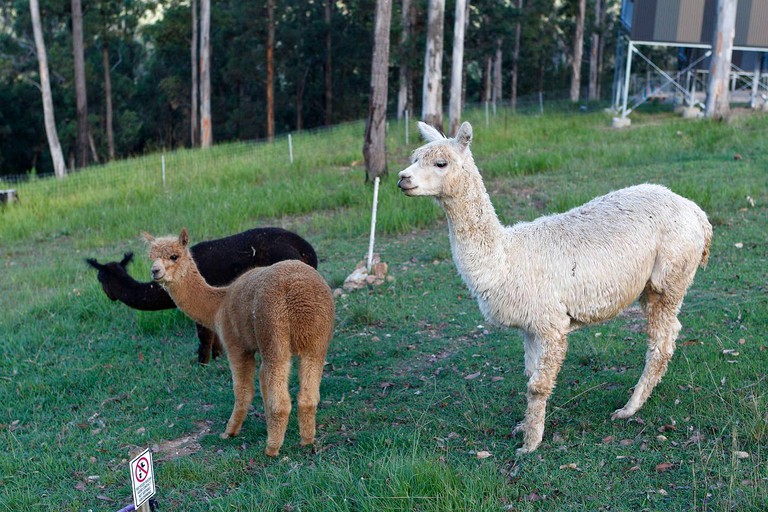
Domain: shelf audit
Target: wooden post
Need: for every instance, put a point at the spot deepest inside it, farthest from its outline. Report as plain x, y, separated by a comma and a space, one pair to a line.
718, 97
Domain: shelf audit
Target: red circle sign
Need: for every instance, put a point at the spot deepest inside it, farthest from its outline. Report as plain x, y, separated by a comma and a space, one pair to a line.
142, 469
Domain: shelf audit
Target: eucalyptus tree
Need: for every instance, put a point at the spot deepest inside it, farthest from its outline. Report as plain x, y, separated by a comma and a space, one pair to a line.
432, 90
374, 147
81, 95
59, 166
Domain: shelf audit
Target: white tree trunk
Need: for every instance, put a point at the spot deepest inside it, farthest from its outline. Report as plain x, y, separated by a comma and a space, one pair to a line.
194, 115
404, 85
578, 50
718, 94
497, 72
594, 66
59, 166
108, 100
457, 67
432, 92
374, 147
270, 70
81, 97
328, 11
206, 129
516, 54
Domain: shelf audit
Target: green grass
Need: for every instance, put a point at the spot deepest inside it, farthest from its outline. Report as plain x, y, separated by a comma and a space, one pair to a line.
83, 381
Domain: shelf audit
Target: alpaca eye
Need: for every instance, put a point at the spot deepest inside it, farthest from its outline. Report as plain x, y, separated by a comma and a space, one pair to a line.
174, 257
441, 164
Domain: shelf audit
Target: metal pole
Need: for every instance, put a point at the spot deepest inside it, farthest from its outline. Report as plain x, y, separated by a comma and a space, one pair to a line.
406, 126
627, 72
373, 223
290, 148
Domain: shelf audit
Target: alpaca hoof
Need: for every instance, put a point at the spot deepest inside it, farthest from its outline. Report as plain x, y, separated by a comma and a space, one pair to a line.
620, 414
519, 428
224, 436
272, 452
524, 451
307, 442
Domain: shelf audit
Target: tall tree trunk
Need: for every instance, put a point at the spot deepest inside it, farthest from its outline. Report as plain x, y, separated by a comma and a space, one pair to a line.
485, 93
301, 85
457, 66
328, 64
404, 85
594, 52
81, 98
578, 50
432, 91
601, 48
375, 147
516, 53
270, 70
206, 129
108, 99
59, 166
194, 115
718, 93
497, 71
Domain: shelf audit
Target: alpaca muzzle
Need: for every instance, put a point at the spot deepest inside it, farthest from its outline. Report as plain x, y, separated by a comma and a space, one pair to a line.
405, 183
157, 272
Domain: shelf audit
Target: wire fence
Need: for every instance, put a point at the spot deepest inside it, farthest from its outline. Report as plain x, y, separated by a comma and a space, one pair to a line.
155, 169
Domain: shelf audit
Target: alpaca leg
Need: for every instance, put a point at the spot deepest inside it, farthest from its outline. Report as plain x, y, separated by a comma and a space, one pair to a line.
663, 327
278, 404
310, 375
216, 347
532, 347
243, 366
205, 337
540, 386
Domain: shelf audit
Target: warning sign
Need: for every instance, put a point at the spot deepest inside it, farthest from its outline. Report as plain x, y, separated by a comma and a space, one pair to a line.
142, 478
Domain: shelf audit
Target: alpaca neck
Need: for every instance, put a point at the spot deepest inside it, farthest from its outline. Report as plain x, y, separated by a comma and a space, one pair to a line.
472, 220
475, 232
196, 298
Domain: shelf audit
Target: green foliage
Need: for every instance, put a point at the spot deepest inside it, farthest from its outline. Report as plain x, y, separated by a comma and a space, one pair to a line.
417, 386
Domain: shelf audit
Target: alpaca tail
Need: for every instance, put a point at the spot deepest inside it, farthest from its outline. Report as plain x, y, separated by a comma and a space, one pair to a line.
707, 228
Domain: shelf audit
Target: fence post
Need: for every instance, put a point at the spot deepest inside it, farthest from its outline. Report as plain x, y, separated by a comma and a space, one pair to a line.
290, 148
373, 222
162, 159
406, 126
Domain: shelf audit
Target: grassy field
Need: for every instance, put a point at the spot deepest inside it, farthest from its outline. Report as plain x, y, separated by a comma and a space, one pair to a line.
419, 396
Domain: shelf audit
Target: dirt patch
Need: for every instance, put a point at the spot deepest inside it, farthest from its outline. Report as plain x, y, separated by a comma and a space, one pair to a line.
183, 446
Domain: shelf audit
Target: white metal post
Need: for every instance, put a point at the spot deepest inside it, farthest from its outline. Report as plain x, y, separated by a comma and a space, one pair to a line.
628, 70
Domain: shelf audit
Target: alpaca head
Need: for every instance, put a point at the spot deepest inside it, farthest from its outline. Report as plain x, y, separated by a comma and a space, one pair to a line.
111, 273
436, 165
171, 259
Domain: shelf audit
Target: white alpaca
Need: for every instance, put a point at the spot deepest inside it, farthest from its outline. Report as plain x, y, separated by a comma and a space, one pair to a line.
560, 272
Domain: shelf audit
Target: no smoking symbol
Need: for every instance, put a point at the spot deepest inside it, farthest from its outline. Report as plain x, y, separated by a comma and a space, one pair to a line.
142, 469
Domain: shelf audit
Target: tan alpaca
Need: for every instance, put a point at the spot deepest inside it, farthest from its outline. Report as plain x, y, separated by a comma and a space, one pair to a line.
560, 272
279, 311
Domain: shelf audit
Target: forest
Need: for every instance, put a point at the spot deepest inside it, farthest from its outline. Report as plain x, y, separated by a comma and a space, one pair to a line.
275, 67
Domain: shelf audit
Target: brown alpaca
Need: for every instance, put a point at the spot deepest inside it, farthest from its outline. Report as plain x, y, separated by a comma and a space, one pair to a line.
279, 311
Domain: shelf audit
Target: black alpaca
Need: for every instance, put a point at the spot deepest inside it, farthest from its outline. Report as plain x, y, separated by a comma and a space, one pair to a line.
220, 262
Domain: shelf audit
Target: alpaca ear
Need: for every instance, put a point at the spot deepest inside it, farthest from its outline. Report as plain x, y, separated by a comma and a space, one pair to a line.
95, 264
464, 136
430, 133
184, 237
127, 258
149, 238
